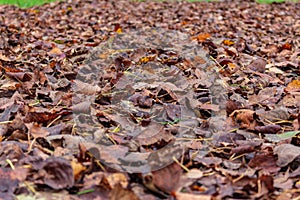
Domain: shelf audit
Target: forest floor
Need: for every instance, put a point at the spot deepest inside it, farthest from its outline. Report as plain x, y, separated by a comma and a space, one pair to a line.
150, 100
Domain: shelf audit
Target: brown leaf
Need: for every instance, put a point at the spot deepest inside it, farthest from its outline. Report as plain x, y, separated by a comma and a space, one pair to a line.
286, 46
286, 154
10, 85
270, 129
228, 42
8, 185
86, 88
154, 133
209, 161
232, 105
36, 130
173, 111
20, 76
120, 193
245, 118
264, 161
268, 182
35, 115
117, 179
141, 100
10, 150
55, 52
166, 178
258, 65
57, 173
242, 149
188, 196
274, 115
9, 111
267, 96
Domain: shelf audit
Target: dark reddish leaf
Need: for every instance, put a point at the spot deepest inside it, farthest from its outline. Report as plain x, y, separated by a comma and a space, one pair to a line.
232, 106
9, 183
286, 46
258, 65
166, 178
37, 130
57, 173
20, 76
270, 129
10, 150
268, 181
242, 149
265, 162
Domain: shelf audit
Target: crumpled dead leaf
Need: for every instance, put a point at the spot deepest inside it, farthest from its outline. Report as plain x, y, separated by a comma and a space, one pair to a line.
57, 173
245, 118
286, 154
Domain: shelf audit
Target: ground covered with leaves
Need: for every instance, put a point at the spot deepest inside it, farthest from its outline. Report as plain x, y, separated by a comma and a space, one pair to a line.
187, 101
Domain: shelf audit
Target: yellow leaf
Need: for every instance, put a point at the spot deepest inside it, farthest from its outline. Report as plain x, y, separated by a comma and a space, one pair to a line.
228, 42
119, 30
117, 179
77, 168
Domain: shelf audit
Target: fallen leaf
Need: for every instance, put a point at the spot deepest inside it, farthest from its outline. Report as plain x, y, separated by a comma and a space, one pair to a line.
153, 133
282, 136
270, 129
166, 179
121, 193
194, 173
36, 130
78, 168
116, 179
274, 115
286, 46
245, 118
57, 173
286, 154
201, 37
9, 183
188, 196
264, 161
293, 86
55, 51
258, 65
228, 42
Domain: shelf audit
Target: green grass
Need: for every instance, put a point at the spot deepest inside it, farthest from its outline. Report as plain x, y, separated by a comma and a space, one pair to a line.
30, 3
25, 3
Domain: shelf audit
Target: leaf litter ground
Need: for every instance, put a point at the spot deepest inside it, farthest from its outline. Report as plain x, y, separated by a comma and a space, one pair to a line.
222, 125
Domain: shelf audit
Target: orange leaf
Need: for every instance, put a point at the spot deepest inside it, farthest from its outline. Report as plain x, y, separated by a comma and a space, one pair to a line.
77, 168
293, 86
55, 51
201, 37
286, 46
228, 42
118, 29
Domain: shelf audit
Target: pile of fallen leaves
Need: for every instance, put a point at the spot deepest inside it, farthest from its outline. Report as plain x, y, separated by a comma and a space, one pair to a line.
50, 149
